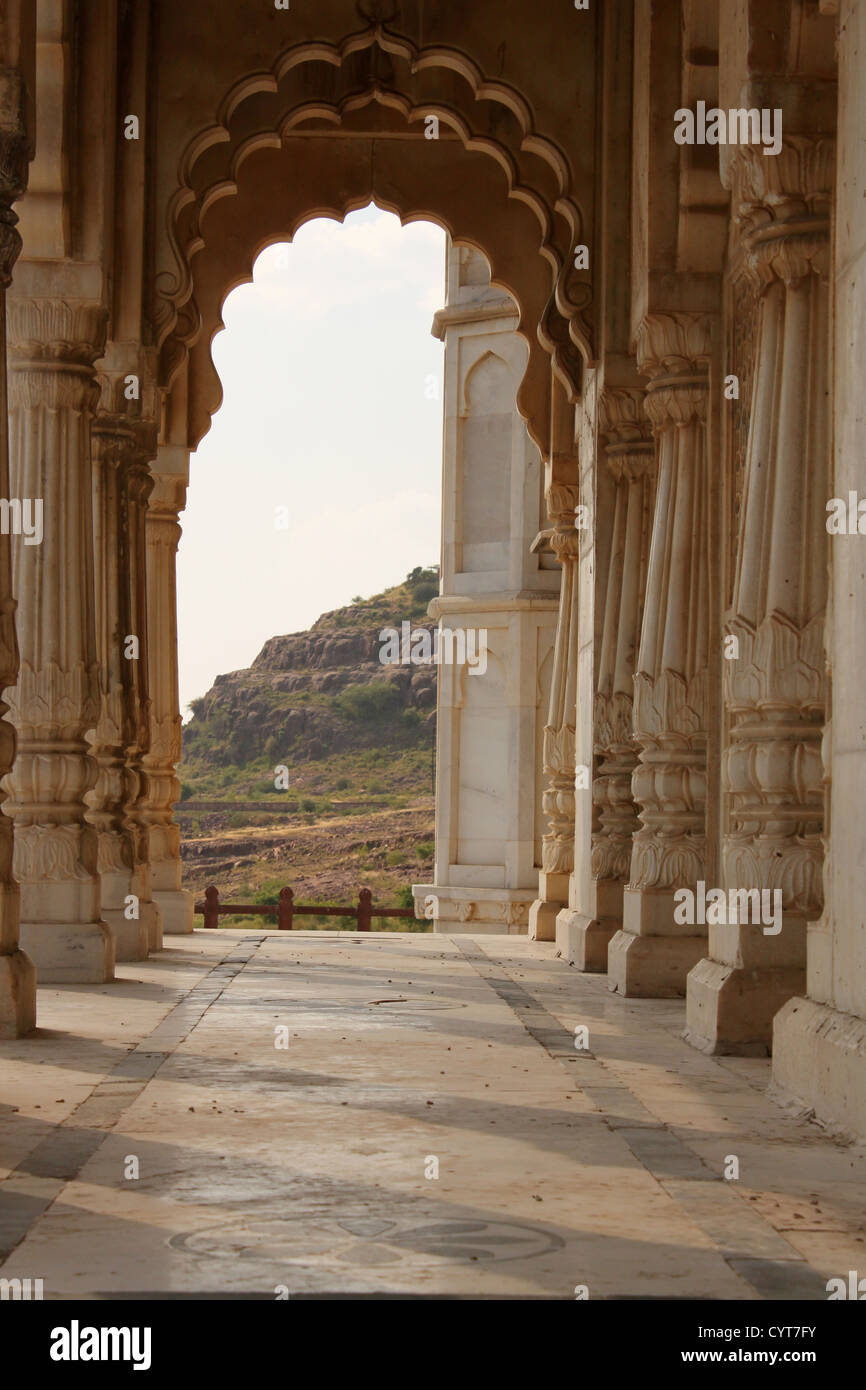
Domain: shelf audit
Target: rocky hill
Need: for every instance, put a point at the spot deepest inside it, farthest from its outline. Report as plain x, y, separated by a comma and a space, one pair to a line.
357, 738
311, 695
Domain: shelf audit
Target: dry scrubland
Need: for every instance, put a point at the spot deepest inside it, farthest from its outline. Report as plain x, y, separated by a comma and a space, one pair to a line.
357, 739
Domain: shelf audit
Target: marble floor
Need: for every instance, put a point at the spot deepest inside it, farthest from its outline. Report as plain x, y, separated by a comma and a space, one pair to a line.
249, 1114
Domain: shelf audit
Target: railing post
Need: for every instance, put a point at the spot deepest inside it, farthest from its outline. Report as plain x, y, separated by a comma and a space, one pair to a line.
211, 907
286, 909
365, 909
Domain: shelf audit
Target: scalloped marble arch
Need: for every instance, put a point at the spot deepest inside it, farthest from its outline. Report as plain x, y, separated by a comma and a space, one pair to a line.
521, 213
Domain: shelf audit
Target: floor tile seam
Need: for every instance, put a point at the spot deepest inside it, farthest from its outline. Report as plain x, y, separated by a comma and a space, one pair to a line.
618, 1083
63, 1182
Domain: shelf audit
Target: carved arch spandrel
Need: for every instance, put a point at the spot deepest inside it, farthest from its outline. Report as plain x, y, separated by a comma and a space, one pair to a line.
319, 81
323, 88
273, 201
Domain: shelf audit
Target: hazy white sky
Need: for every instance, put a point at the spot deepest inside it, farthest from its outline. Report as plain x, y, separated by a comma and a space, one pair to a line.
325, 362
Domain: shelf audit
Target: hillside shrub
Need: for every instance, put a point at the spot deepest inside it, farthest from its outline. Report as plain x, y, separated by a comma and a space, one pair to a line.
371, 703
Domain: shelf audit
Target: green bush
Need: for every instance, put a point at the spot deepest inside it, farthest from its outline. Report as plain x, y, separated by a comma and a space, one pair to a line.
370, 703
422, 593
267, 894
403, 898
186, 791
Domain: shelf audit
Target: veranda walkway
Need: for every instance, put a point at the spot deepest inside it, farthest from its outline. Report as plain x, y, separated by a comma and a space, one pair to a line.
311, 1167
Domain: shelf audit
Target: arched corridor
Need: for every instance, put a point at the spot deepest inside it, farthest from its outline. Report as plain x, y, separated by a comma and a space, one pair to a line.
647, 819
425, 1127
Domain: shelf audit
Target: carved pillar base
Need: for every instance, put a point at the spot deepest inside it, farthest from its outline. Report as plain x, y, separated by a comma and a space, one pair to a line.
176, 908
731, 1009
151, 916
130, 936
64, 934
70, 953
819, 1062
583, 938
643, 966
543, 914
17, 995
476, 911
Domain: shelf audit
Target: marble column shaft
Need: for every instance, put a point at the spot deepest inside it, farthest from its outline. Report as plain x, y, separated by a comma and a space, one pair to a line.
139, 486
629, 456
653, 954
160, 761
17, 971
557, 846
116, 785
52, 393
774, 683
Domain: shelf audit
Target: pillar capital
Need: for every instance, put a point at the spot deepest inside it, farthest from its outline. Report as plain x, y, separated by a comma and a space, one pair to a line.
168, 497
629, 450
166, 501
674, 350
54, 330
113, 440
621, 415
53, 344
562, 502
675, 343
796, 183
782, 208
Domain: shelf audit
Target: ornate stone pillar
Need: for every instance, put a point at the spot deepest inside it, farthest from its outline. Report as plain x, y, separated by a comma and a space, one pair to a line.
557, 849
117, 646
819, 1041
139, 486
53, 345
17, 972
774, 685
160, 761
630, 457
653, 953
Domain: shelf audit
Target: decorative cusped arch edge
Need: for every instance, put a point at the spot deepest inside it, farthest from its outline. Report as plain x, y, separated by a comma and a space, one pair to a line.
521, 212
